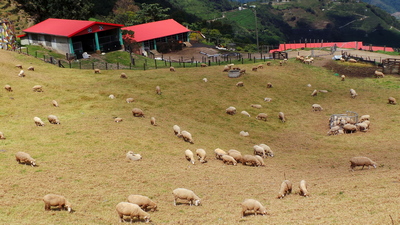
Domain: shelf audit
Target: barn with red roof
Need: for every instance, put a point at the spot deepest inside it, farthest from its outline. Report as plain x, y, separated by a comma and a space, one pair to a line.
75, 36
154, 35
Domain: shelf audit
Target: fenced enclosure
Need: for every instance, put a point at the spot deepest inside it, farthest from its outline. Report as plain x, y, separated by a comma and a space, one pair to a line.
391, 66
349, 116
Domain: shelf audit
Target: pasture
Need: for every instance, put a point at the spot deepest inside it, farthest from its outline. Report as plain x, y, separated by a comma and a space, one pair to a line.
83, 158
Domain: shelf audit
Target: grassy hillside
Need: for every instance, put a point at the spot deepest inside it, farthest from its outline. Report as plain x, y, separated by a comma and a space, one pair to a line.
83, 158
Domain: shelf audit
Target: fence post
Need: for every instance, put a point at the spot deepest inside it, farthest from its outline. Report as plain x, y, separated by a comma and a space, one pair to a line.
117, 65
155, 63
209, 62
69, 62
254, 59
242, 61
44, 58
27, 51
130, 66
144, 66
80, 64
106, 66
92, 66
36, 54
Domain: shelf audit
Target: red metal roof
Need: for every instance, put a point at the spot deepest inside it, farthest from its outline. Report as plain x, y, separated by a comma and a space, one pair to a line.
68, 28
149, 31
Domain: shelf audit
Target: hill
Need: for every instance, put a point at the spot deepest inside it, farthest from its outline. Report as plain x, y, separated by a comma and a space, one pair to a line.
83, 158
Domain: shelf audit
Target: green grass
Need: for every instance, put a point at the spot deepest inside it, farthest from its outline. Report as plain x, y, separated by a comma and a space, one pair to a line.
83, 158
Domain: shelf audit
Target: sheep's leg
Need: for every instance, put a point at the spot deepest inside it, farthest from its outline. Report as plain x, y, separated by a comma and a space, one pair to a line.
175, 202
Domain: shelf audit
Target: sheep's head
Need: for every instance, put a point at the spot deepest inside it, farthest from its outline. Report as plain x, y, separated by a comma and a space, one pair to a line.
197, 202
33, 163
147, 219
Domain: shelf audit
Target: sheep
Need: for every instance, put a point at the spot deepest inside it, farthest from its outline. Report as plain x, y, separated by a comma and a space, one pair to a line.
219, 153
262, 116
245, 113
183, 193
2, 136
267, 150
236, 155
136, 112
268, 63
269, 85
258, 150
143, 202
203, 65
55, 103
314, 93
334, 130
349, 128
361, 161
187, 137
227, 159
132, 156
37, 88
38, 121
308, 61
201, 154
316, 107
379, 74
56, 200
189, 156
97, 71
153, 121
240, 84
129, 100
25, 158
286, 189
342, 77
260, 66
177, 131
118, 119
21, 73
257, 106
242, 71
392, 101
260, 160
254, 69
254, 205
111, 96
352, 60
363, 118
281, 116
250, 160
353, 93
131, 210
172, 69
323, 91
362, 126
8, 88
19, 66
230, 110
158, 90
31, 68
205, 80
53, 119
123, 76
266, 99
303, 189
244, 133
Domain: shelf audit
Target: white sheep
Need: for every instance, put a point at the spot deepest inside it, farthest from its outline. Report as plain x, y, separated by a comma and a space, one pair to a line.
53, 119
189, 156
269, 85
352, 60
349, 128
363, 118
131, 210
334, 130
187, 137
201, 154
97, 71
153, 121
143, 202
379, 74
31, 68
177, 131
25, 158
236, 155
316, 107
37, 88
281, 116
19, 66
392, 101
314, 93
227, 159
172, 69
353, 93
250, 160
55, 103
38, 121
21, 73
258, 150
123, 76
231, 110
303, 188
361, 161
56, 200
219, 153
132, 156
118, 119
2, 136
257, 106
129, 100
136, 112
260, 160
111, 96
286, 189
245, 113
244, 133
183, 193
266, 99
362, 126
254, 205
262, 116
8, 88
343, 77
158, 90
240, 84
205, 80
267, 149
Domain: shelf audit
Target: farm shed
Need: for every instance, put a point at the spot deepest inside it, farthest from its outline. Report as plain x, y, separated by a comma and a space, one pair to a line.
74, 36
155, 35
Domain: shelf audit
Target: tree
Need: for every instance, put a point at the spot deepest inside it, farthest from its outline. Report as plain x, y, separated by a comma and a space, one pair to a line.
41, 10
151, 13
129, 42
124, 12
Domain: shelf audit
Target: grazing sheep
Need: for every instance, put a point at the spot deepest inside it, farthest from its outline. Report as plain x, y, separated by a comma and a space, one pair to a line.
31, 68
53, 119
353, 93
266, 99
334, 130
38, 121
205, 80
227, 159
392, 101
55, 103
281, 116
303, 188
8, 88
308, 85
132, 156
323, 91
158, 90
153, 121
254, 205
183, 193
172, 69
177, 131
111, 96
250, 160
56, 200
231, 110
260, 160
362, 126
219, 153
361, 161
260, 66
316, 107
267, 150
257, 106
245, 113
143, 202
268, 63
19, 66
258, 150
363, 118
201, 154
240, 84
97, 71
118, 119
187, 137
349, 128
123, 76
25, 158
2, 136
379, 74
262, 116
314, 93
286, 189
189, 156
269, 85
37, 88
203, 65
352, 60
254, 69
242, 71
129, 100
131, 210
136, 112
236, 155
342, 77
244, 133
21, 73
